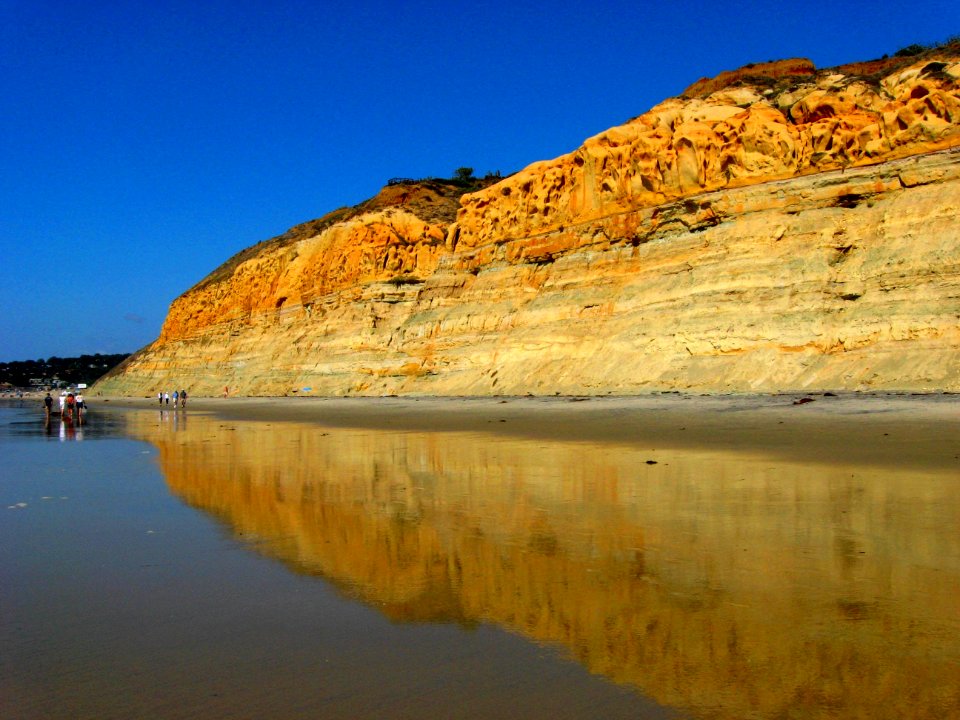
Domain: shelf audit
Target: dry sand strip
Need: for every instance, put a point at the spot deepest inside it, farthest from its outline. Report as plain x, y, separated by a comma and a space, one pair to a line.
921, 432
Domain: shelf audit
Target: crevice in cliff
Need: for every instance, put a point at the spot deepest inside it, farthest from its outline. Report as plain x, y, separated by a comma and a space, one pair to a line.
542, 260
850, 200
841, 252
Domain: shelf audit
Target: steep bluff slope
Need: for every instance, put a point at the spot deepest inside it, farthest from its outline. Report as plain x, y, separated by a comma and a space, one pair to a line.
793, 230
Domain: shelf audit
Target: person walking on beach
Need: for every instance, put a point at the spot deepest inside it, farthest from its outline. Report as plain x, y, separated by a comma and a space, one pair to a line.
176, 398
48, 405
63, 401
160, 398
80, 406
166, 396
183, 398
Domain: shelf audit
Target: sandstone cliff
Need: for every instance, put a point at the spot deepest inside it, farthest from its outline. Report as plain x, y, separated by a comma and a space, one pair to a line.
764, 232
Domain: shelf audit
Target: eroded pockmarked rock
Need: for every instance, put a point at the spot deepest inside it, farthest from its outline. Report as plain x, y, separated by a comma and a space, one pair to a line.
736, 136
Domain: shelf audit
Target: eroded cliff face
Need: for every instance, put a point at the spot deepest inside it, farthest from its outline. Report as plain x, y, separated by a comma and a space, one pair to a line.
397, 236
796, 233
734, 137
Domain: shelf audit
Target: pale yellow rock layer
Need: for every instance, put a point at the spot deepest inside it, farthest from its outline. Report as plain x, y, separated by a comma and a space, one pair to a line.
802, 240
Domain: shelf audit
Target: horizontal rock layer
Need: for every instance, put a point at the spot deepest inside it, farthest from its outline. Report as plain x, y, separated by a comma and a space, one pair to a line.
756, 240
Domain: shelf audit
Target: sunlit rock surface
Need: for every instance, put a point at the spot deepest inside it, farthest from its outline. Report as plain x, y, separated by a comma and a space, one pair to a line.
796, 231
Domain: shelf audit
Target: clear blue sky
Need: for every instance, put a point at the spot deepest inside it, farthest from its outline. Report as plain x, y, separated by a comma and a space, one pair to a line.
142, 143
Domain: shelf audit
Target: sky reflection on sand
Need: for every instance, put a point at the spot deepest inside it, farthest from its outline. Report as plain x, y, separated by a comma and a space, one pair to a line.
722, 584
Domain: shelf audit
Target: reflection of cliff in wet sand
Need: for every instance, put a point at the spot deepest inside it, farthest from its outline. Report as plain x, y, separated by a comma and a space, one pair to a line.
728, 585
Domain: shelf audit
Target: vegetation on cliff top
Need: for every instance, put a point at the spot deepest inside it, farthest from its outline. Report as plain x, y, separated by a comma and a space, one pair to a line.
783, 76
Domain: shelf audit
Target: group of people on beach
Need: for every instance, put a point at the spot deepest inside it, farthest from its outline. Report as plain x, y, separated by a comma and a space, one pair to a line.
72, 406
179, 396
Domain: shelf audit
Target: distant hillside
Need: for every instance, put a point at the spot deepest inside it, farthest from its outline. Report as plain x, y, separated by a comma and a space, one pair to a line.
58, 371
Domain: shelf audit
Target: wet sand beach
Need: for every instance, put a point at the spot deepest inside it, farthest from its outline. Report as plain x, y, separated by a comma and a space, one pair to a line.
882, 429
664, 556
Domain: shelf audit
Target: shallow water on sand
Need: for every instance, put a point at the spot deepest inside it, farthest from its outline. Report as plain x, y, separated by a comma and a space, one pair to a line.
176, 565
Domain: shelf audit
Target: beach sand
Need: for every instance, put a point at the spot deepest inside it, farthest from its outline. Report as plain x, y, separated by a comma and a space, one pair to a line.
780, 558
921, 431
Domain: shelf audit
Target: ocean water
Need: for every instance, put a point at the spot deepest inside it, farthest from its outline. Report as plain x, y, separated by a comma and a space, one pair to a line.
169, 564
